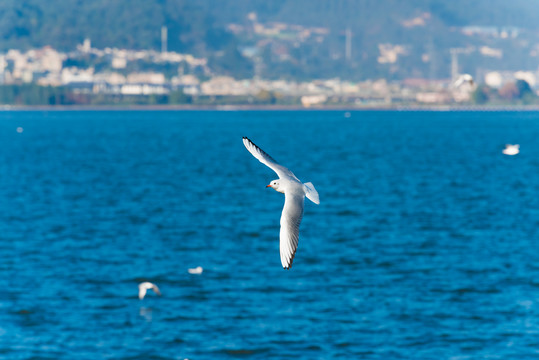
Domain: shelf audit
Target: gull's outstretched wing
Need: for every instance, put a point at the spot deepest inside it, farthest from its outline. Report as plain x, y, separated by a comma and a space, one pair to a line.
156, 289
141, 292
290, 220
267, 160
144, 286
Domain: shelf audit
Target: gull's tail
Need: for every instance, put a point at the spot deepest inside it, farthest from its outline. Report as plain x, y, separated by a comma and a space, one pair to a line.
311, 192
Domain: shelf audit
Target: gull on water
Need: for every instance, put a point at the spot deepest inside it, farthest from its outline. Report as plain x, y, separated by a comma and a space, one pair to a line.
144, 286
294, 195
511, 149
197, 270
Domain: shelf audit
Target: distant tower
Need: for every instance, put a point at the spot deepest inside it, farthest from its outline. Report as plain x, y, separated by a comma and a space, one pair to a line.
164, 39
454, 64
348, 45
455, 60
87, 45
432, 58
259, 64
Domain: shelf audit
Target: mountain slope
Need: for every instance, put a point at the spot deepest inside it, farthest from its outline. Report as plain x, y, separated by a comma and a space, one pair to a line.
425, 29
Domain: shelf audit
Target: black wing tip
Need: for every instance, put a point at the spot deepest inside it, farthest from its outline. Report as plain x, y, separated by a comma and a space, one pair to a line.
251, 142
256, 146
291, 262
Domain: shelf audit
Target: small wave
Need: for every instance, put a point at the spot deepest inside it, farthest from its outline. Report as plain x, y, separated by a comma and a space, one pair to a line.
243, 352
468, 290
347, 213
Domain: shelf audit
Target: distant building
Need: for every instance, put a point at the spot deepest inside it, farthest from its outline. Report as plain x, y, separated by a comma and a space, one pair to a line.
310, 100
143, 89
225, 85
112, 78
433, 97
146, 78
390, 53
118, 62
76, 75
491, 52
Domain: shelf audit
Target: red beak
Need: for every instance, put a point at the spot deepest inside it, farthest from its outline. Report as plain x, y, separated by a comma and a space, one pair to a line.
268, 185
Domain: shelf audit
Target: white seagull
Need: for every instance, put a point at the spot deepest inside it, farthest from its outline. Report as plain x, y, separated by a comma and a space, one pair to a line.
511, 149
464, 79
294, 196
142, 287
196, 271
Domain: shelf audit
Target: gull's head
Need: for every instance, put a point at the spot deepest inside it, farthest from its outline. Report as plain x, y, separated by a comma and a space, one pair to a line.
275, 184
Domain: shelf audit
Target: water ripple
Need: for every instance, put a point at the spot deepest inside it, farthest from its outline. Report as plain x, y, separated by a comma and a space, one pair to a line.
422, 246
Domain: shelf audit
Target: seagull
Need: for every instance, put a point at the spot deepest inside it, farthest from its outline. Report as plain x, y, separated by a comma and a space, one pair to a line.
511, 149
142, 287
464, 78
197, 270
294, 194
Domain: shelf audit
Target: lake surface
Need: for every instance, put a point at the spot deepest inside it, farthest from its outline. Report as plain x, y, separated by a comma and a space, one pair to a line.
424, 246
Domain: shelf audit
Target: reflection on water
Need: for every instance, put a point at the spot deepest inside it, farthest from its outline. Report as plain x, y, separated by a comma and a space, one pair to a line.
146, 313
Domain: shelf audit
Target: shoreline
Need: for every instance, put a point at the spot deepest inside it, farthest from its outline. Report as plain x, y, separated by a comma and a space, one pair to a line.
441, 108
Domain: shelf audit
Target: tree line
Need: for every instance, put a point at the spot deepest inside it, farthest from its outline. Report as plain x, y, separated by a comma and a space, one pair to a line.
33, 94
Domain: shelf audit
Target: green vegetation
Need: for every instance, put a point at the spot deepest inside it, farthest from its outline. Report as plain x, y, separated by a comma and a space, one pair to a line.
31, 94
200, 28
35, 95
518, 92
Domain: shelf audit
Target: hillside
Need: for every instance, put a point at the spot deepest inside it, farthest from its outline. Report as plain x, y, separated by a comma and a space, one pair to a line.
424, 30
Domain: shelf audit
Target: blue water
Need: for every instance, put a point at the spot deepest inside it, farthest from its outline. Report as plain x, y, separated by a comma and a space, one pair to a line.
424, 245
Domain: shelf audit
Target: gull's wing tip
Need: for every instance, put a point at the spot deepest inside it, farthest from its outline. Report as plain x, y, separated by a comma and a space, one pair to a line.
286, 266
287, 263
247, 141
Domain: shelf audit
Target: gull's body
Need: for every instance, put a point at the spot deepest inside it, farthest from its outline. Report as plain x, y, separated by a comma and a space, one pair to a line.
196, 271
295, 192
511, 149
464, 79
143, 287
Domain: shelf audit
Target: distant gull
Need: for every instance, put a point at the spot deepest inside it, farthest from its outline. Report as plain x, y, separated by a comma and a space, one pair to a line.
142, 287
464, 79
294, 195
20, 129
197, 270
511, 149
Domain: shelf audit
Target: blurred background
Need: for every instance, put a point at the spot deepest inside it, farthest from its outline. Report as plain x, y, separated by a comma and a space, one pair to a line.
251, 52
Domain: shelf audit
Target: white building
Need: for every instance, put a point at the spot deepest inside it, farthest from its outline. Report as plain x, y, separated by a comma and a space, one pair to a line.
76, 75
146, 78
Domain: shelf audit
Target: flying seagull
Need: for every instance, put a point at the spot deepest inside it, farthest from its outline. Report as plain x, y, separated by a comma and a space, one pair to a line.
294, 195
464, 79
142, 287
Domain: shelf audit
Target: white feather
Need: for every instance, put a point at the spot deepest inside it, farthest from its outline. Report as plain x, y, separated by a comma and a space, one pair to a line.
295, 192
144, 286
